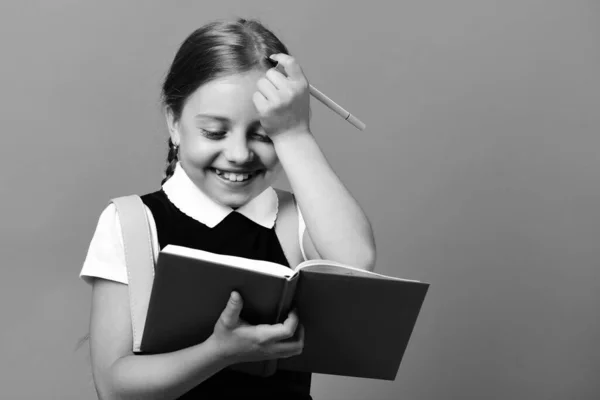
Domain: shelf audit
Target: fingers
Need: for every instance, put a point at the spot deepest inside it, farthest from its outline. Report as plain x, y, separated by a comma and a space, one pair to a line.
283, 101
267, 89
291, 67
276, 77
259, 342
231, 314
278, 332
290, 348
260, 102
291, 322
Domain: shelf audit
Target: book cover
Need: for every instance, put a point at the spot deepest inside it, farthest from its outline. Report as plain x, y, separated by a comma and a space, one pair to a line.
354, 325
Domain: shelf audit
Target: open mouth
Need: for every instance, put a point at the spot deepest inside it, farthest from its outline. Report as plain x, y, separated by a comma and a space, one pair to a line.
236, 177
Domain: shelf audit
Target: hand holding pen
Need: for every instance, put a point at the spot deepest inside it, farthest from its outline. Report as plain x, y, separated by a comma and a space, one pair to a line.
317, 94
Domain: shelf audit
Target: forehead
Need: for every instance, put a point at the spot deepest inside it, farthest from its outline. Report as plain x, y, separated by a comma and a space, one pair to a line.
229, 96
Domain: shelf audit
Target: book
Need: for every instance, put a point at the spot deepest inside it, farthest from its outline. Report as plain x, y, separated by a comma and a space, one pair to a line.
356, 322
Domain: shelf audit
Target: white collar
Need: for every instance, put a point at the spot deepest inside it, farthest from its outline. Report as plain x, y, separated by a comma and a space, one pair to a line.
194, 203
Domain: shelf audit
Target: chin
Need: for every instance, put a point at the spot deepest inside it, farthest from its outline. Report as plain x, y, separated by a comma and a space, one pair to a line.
235, 201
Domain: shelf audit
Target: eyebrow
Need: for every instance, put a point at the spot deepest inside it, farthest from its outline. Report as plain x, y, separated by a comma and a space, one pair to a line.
211, 116
221, 118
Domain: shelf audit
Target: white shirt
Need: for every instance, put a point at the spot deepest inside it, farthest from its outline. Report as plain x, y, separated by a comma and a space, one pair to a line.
106, 255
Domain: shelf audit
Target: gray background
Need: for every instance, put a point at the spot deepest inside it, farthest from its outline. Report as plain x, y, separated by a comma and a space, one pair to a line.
479, 170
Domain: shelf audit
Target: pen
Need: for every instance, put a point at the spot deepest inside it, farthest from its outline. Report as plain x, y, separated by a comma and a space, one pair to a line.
332, 105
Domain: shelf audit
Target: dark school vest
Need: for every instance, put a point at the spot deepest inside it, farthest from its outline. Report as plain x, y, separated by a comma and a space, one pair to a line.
237, 236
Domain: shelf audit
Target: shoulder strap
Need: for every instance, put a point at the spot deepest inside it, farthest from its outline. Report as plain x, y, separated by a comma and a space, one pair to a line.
137, 243
286, 227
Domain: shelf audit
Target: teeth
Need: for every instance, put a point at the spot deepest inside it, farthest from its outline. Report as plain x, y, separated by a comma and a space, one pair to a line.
230, 176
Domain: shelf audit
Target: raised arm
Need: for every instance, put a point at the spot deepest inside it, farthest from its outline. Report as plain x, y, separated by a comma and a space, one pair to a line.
337, 227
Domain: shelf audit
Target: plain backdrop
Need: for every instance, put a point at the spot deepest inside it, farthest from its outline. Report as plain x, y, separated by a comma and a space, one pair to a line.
479, 170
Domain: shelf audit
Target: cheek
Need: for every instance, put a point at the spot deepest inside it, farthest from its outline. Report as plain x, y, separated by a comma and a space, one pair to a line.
199, 154
267, 156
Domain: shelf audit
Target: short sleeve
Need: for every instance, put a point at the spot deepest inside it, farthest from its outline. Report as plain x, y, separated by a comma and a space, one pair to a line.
301, 229
106, 256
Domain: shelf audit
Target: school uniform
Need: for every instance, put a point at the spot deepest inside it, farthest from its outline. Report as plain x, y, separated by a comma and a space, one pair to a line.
183, 215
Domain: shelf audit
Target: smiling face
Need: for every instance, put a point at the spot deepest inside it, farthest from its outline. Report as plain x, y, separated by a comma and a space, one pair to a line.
222, 146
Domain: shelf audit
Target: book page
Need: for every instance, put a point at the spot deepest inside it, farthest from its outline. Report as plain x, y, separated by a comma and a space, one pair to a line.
265, 267
332, 267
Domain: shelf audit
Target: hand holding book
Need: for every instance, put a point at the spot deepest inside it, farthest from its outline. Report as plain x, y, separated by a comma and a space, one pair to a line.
242, 342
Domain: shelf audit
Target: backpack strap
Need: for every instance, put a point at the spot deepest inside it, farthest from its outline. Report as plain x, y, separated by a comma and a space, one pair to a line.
137, 243
287, 227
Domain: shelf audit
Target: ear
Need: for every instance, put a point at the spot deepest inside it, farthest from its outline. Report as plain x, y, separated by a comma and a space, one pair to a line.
172, 126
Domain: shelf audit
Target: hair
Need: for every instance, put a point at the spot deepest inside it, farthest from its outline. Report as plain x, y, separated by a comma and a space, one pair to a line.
215, 50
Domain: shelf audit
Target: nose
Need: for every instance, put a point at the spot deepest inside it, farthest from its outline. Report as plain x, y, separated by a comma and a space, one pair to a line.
237, 150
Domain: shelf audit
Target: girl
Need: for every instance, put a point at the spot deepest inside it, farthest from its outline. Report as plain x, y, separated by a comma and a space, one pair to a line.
234, 124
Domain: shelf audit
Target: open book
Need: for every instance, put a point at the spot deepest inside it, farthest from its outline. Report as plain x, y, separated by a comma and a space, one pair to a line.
356, 322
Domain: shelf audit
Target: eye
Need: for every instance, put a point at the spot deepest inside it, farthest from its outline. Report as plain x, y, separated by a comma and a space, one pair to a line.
213, 134
262, 137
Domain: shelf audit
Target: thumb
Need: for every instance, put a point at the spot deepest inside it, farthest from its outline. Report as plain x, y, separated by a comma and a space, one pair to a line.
231, 314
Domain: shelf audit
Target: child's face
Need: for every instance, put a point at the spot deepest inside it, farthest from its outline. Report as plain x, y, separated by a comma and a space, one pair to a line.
222, 146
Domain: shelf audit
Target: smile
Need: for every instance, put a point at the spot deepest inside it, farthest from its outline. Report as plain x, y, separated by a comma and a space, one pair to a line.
235, 177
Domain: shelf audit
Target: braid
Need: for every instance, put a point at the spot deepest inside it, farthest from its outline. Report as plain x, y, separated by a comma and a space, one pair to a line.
171, 161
